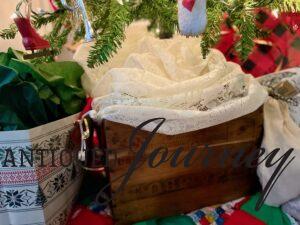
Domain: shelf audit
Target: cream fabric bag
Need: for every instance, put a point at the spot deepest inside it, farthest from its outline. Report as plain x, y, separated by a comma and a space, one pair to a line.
282, 130
293, 208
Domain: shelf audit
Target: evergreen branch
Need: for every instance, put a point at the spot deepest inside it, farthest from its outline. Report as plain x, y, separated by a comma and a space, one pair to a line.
243, 18
247, 30
281, 5
40, 20
79, 33
57, 42
212, 33
111, 37
109, 19
98, 12
59, 34
162, 15
9, 33
57, 38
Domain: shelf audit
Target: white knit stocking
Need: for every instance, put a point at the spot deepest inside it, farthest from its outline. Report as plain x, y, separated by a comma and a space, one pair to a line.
192, 17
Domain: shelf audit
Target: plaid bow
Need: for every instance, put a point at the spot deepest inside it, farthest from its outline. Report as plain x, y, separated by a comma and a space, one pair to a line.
279, 50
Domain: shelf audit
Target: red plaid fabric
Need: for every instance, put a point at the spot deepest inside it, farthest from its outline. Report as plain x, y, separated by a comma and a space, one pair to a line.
282, 50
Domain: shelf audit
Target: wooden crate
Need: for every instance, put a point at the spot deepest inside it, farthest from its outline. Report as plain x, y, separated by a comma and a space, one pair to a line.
165, 191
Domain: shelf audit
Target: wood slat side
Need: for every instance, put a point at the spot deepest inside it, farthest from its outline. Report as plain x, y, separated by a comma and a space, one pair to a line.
165, 191
183, 201
178, 182
203, 160
241, 129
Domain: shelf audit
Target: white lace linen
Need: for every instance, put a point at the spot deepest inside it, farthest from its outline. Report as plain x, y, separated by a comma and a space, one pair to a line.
282, 130
170, 79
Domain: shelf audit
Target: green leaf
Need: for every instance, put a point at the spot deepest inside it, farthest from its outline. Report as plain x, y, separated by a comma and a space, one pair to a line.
62, 78
7, 75
4, 59
26, 67
33, 102
15, 54
9, 120
73, 106
24, 100
69, 72
69, 88
38, 94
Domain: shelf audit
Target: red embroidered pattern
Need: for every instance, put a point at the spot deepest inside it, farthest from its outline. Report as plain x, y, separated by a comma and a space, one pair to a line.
17, 177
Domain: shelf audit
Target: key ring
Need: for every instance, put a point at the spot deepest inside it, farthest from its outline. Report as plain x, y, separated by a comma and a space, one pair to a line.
85, 135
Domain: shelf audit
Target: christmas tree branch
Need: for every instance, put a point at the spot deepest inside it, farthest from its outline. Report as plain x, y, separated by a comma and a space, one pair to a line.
162, 15
58, 36
213, 30
110, 38
243, 19
281, 5
42, 19
9, 33
109, 19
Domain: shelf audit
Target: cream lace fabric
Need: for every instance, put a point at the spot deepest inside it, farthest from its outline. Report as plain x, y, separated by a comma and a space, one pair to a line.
170, 79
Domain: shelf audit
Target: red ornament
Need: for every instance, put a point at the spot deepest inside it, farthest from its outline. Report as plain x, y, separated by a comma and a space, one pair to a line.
83, 216
189, 4
31, 39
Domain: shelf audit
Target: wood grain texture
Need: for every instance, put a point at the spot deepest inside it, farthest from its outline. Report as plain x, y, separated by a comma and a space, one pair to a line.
165, 190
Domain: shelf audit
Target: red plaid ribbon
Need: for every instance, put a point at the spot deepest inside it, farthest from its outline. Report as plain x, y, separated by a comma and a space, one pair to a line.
282, 52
